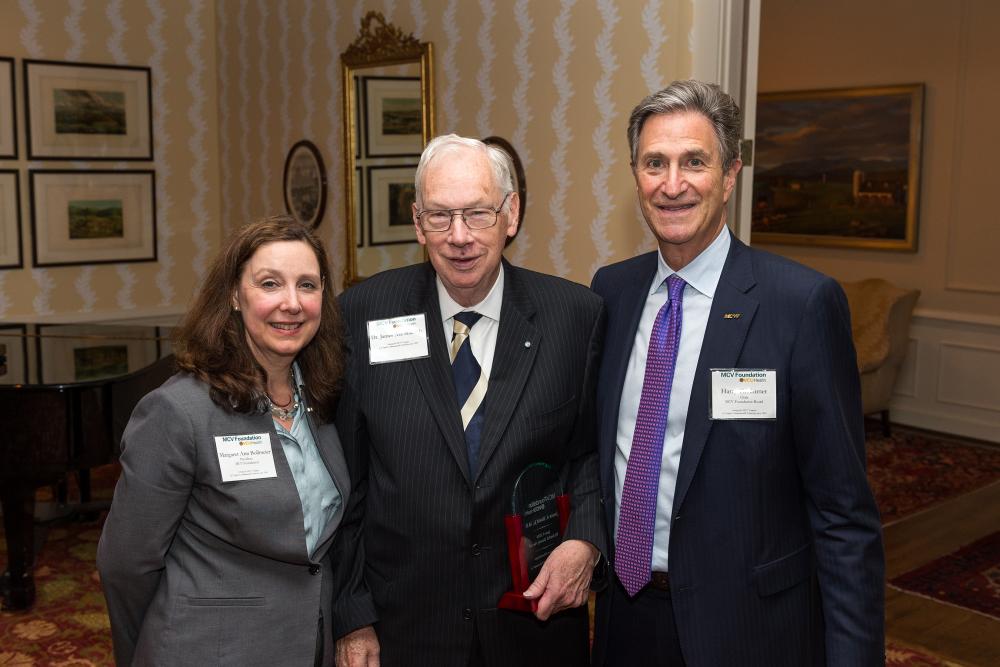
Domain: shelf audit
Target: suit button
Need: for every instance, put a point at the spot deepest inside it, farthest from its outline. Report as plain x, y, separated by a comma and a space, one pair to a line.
467, 614
677, 518
314, 569
476, 550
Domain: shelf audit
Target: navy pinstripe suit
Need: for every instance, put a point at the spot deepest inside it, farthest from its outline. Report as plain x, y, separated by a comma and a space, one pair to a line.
775, 551
432, 535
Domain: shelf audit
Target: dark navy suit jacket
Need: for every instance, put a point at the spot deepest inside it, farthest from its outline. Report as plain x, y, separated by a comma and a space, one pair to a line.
775, 552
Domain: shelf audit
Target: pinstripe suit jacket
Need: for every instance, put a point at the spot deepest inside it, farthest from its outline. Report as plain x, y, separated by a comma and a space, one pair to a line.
775, 551
433, 547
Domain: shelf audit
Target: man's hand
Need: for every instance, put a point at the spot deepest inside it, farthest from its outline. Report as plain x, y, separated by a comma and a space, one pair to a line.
358, 649
564, 579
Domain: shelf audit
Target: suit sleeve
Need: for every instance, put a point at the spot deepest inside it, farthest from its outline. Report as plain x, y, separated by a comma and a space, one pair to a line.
353, 605
829, 439
586, 520
158, 468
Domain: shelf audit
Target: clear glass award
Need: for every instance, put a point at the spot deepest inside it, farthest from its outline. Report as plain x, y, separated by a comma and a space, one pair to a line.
535, 525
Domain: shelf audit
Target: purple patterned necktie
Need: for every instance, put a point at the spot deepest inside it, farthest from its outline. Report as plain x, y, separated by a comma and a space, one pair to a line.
637, 516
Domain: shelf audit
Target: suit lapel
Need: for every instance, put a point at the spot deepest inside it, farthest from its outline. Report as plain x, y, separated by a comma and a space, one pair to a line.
333, 457
721, 347
434, 372
618, 349
517, 345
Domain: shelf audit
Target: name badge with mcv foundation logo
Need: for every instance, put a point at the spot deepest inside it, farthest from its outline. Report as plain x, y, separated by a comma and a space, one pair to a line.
243, 457
744, 393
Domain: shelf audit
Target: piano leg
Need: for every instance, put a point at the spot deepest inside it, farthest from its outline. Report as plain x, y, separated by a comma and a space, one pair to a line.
18, 501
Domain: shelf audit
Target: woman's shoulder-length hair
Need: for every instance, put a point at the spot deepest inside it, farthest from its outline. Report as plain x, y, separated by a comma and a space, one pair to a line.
211, 341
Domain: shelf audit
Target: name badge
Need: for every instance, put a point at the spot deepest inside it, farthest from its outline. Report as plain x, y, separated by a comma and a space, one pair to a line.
243, 457
397, 339
744, 393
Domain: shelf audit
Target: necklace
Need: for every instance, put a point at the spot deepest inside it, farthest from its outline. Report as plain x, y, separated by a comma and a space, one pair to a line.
284, 412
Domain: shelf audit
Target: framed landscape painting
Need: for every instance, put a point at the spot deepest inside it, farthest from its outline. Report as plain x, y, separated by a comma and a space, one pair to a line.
391, 194
92, 217
393, 116
78, 111
838, 167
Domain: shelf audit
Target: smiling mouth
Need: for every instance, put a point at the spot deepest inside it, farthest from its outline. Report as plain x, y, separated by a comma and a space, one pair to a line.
675, 208
286, 326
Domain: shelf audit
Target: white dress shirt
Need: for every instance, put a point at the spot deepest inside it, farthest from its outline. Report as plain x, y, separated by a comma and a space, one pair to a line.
702, 277
483, 334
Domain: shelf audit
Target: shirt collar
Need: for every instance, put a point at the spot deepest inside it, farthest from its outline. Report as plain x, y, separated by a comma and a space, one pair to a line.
704, 271
488, 307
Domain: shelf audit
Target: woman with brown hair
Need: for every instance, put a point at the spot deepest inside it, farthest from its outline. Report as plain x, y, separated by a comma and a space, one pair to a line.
217, 546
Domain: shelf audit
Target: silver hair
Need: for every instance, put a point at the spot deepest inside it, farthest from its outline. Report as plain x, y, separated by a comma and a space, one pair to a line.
708, 99
501, 165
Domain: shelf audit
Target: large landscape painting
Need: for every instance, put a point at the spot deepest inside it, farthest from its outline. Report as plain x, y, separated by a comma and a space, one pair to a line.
838, 167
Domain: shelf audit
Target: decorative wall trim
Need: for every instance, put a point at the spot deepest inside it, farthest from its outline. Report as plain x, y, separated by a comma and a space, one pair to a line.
941, 387
959, 359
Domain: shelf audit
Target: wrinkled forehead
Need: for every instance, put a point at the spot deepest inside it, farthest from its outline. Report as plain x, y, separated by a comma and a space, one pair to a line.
457, 167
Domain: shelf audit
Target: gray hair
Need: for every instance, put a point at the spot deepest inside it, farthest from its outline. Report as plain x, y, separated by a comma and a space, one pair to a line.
708, 99
501, 165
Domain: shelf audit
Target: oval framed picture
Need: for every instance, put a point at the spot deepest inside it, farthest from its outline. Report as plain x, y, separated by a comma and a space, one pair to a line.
520, 184
305, 183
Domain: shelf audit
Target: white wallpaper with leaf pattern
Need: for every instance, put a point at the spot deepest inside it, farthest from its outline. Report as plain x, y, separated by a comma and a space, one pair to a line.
177, 39
557, 78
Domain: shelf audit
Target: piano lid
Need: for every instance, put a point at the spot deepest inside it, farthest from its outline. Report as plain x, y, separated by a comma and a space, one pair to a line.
67, 354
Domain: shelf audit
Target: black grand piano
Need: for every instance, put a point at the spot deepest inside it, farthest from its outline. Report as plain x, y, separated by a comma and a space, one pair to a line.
66, 393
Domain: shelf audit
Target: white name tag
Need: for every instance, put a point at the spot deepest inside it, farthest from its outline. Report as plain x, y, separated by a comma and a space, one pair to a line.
744, 393
397, 339
244, 457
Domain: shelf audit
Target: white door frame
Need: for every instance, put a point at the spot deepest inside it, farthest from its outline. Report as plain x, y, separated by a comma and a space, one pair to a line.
725, 40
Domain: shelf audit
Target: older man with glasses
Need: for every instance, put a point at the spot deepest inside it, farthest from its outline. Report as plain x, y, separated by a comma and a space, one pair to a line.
464, 372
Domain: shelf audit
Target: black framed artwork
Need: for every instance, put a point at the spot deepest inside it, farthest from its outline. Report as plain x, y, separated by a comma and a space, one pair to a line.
391, 194
88, 111
305, 183
92, 216
393, 116
8, 117
10, 219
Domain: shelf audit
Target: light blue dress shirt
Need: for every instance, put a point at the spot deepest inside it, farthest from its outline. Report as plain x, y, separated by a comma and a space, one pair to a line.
317, 491
702, 277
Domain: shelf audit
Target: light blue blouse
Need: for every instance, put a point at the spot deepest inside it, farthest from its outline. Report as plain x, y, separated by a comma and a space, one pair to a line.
317, 491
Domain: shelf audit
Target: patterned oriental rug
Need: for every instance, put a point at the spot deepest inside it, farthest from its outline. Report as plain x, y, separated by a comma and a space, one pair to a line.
911, 470
969, 577
68, 626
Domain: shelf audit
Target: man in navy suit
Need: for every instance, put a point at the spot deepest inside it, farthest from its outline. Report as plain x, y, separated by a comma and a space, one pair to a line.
730, 429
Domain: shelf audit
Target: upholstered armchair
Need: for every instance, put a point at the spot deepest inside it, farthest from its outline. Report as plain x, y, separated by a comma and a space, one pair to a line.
880, 325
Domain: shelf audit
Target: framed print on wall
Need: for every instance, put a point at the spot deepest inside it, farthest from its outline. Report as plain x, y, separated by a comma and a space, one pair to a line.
82, 352
393, 116
77, 111
92, 217
838, 167
391, 194
305, 184
13, 354
359, 191
10, 219
8, 119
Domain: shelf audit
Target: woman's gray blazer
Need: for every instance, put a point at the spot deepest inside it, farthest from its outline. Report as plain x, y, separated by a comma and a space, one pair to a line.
201, 572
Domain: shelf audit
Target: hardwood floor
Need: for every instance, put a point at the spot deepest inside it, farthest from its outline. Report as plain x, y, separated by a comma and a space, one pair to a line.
956, 634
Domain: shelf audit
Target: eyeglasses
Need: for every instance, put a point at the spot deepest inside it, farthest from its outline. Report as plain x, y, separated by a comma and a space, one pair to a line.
439, 220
